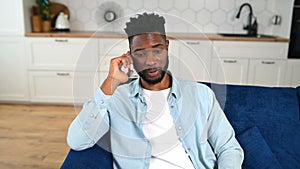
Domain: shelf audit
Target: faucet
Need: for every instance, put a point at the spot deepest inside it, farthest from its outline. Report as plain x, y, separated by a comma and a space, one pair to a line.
251, 28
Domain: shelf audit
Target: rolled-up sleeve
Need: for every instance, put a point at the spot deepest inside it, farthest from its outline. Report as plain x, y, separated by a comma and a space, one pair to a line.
90, 124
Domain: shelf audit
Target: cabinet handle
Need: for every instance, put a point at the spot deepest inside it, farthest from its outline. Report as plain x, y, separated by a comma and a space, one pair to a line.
268, 62
193, 43
230, 61
63, 74
61, 40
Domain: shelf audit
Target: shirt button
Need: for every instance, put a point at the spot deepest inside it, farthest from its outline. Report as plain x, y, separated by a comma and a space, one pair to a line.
101, 101
179, 128
92, 115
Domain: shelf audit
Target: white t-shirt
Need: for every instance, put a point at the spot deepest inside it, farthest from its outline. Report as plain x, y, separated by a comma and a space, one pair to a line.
159, 128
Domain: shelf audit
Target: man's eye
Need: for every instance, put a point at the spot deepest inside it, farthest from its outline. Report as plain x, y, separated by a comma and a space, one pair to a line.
139, 54
157, 51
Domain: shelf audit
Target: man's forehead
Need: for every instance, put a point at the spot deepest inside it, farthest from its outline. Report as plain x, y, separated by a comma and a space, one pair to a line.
149, 35
147, 38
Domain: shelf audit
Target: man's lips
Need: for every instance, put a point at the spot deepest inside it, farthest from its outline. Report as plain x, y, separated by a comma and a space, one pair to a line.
152, 72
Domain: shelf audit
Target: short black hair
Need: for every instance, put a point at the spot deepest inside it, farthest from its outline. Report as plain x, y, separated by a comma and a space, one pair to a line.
145, 23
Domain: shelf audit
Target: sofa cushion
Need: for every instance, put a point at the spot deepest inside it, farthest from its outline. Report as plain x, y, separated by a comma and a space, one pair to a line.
261, 103
231, 100
274, 110
283, 139
92, 158
246, 106
257, 153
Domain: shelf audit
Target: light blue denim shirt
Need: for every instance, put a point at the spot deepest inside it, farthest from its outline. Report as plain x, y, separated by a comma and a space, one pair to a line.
200, 123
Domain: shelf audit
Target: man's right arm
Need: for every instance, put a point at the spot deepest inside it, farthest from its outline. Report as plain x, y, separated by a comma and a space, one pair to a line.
90, 124
93, 120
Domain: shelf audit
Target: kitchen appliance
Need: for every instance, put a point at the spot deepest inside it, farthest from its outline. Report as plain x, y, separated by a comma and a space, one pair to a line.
294, 47
62, 23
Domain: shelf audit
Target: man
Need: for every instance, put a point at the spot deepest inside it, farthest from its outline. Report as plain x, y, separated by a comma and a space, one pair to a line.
156, 121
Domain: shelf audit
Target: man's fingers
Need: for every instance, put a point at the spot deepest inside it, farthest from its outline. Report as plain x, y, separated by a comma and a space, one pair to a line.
126, 60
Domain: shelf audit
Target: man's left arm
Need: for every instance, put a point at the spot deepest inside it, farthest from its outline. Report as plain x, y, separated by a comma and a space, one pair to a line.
229, 153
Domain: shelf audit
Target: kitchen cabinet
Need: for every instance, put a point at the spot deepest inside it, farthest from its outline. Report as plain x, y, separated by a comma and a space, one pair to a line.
68, 70
266, 72
11, 18
64, 87
62, 54
13, 63
62, 70
229, 70
293, 73
250, 49
252, 63
13, 74
193, 59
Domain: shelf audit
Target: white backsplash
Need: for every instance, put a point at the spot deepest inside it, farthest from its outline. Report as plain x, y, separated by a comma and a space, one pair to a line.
209, 16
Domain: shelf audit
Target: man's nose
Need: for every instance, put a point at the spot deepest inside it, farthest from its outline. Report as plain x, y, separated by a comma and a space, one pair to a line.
151, 58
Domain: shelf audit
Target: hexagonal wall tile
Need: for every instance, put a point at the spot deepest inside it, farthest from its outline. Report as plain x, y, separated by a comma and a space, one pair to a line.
196, 4
212, 5
210, 28
203, 17
77, 25
227, 5
264, 18
181, 27
90, 4
75, 4
150, 5
218, 17
122, 3
181, 4
165, 4
83, 15
225, 28
135, 5
174, 13
195, 28
91, 26
258, 6
189, 15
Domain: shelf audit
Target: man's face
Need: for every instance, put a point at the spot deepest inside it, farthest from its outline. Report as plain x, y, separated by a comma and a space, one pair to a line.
150, 56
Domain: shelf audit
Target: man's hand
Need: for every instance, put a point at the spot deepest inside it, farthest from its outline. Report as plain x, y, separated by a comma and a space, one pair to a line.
116, 76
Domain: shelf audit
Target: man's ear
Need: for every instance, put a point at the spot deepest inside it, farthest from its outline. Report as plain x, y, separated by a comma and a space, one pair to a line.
167, 44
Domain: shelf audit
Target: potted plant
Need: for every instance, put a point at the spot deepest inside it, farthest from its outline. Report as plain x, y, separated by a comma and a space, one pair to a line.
45, 11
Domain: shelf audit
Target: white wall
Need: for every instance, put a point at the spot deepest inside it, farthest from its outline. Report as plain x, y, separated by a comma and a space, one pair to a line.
285, 10
209, 16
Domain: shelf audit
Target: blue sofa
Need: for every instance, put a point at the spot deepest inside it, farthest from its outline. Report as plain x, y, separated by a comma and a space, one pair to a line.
265, 119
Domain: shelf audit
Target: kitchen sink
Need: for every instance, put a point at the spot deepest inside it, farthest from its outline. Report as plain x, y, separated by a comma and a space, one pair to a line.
245, 35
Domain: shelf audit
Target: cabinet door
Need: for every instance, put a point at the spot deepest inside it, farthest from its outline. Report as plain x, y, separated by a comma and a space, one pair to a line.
293, 73
13, 74
78, 54
194, 60
61, 87
11, 18
229, 71
250, 50
266, 72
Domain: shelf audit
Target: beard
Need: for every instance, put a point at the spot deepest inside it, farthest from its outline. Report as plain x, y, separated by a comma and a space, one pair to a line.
144, 74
